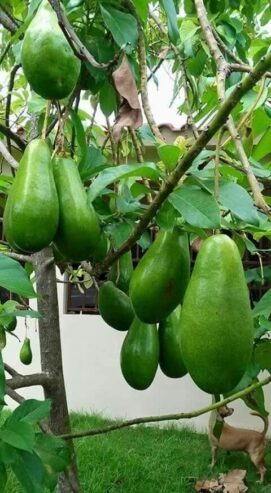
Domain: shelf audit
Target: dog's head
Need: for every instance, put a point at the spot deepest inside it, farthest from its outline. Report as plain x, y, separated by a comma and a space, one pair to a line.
225, 411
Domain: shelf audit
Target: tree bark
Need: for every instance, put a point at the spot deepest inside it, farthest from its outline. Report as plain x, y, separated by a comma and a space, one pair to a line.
51, 358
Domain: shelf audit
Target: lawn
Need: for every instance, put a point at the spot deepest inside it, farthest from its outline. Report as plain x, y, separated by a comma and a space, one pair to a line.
150, 460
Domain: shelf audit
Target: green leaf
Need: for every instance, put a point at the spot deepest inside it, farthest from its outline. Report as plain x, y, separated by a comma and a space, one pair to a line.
112, 174
2, 382
255, 400
263, 307
36, 104
198, 207
169, 154
239, 202
14, 278
123, 27
173, 31
53, 452
108, 99
92, 163
187, 30
263, 355
142, 9
30, 411
29, 470
3, 478
167, 216
80, 133
18, 434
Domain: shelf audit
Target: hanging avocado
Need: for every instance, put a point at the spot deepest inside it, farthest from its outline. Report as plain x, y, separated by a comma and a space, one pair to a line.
140, 354
78, 230
26, 352
216, 319
48, 61
115, 306
121, 271
171, 360
160, 279
31, 211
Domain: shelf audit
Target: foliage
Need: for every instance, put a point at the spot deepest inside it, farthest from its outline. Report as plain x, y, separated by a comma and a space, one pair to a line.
225, 187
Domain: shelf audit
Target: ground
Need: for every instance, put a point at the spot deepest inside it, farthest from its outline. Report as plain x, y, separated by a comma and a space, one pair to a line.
151, 460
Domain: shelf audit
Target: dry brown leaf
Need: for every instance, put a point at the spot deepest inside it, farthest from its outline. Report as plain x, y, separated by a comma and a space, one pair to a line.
130, 114
233, 482
207, 486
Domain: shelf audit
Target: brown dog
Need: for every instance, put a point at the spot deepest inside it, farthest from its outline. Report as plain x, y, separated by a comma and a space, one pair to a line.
250, 441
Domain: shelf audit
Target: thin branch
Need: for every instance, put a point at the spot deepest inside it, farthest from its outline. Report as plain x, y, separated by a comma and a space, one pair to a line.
223, 70
77, 46
11, 370
112, 143
225, 48
140, 159
143, 87
14, 395
8, 103
190, 119
7, 132
7, 156
7, 21
184, 164
21, 381
167, 417
18, 256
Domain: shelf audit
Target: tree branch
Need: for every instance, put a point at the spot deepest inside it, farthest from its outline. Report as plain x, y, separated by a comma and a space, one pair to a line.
7, 21
18, 256
184, 164
143, 87
223, 70
7, 156
21, 381
14, 395
8, 133
167, 417
8, 103
11, 370
77, 46
190, 119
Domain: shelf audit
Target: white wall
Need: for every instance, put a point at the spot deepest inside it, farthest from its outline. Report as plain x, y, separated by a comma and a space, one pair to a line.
94, 381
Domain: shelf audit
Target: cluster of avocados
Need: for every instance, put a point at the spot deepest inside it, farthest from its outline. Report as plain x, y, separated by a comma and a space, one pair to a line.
205, 325
47, 196
204, 321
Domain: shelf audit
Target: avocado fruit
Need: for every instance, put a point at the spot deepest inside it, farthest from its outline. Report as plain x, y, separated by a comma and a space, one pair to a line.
49, 63
115, 307
78, 230
26, 352
32, 211
160, 279
171, 360
121, 271
140, 354
216, 320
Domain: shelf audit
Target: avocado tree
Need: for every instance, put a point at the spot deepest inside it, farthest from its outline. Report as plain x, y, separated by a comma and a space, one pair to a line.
74, 200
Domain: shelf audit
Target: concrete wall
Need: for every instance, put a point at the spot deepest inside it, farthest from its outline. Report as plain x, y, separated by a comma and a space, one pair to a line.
94, 381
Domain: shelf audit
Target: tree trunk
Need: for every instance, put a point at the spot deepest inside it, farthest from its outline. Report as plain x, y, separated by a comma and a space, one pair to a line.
51, 358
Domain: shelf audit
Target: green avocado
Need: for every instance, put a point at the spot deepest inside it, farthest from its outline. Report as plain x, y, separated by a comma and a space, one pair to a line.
101, 249
32, 211
216, 319
78, 229
26, 352
115, 306
171, 360
160, 279
140, 354
48, 61
121, 271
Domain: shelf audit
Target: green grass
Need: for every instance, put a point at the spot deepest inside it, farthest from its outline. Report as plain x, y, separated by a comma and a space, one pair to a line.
150, 460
